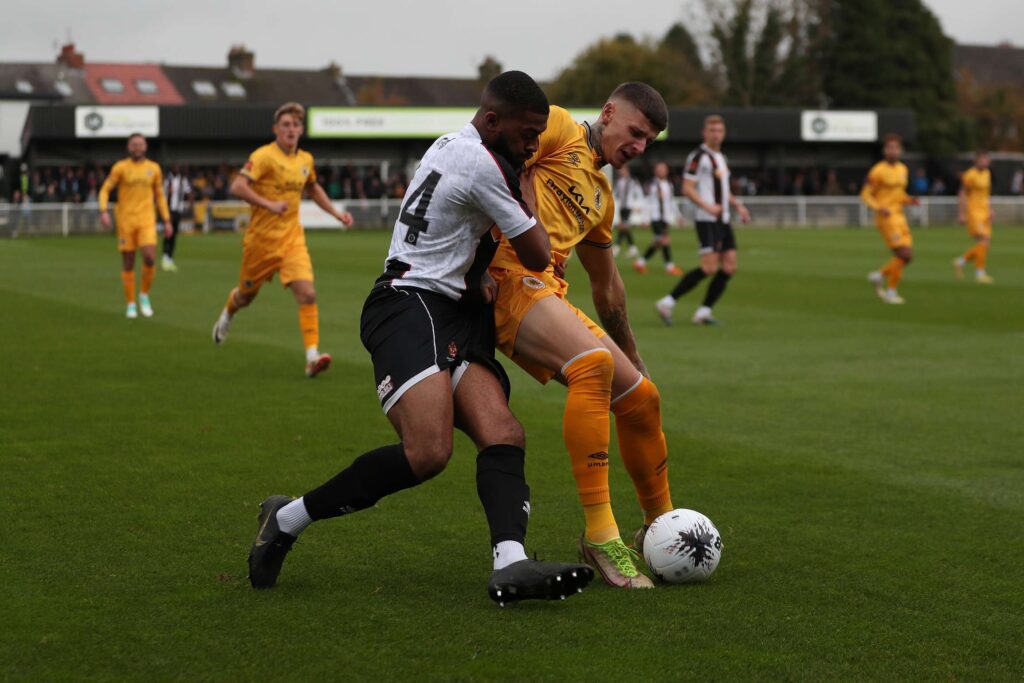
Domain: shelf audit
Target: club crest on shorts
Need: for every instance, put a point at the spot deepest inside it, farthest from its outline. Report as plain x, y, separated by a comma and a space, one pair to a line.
533, 283
453, 350
385, 387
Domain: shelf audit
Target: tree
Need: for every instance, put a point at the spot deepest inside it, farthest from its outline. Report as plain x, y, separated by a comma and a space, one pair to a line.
994, 110
610, 61
766, 53
894, 54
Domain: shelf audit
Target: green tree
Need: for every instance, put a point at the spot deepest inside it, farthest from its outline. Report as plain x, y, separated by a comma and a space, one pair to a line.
610, 61
894, 54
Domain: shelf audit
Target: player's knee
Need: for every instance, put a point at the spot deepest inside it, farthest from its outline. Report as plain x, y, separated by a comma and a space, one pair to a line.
709, 268
729, 268
509, 432
594, 365
428, 457
307, 297
243, 299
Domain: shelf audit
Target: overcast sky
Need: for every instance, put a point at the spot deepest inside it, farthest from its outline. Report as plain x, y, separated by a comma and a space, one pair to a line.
428, 37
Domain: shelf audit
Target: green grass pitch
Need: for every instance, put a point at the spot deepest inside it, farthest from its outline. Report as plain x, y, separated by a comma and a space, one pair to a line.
864, 463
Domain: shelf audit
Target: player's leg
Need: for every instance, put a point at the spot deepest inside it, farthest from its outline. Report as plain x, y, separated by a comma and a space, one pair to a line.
148, 252
636, 404
309, 323
481, 411
716, 288
128, 277
658, 230
257, 268
709, 264
167, 260
981, 258
902, 256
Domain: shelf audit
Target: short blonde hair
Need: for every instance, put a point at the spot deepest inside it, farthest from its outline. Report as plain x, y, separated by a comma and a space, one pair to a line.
293, 108
713, 118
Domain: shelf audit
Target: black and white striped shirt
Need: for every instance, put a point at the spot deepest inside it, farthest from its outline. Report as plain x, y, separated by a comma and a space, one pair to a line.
710, 170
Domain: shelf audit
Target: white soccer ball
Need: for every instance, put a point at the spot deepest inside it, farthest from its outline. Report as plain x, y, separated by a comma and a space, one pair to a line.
682, 546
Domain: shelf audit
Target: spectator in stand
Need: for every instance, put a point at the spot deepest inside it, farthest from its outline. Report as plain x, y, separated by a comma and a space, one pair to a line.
832, 187
1017, 183
920, 185
938, 187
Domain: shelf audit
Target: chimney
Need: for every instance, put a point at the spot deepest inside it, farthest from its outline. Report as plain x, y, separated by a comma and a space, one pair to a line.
70, 58
241, 61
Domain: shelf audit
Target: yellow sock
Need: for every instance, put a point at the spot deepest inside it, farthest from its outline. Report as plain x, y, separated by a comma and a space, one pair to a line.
981, 255
148, 273
309, 323
643, 448
585, 427
970, 253
128, 281
231, 305
895, 272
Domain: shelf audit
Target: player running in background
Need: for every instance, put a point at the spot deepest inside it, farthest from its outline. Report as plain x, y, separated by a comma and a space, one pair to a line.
138, 183
179, 195
706, 184
886, 193
548, 337
976, 213
273, 181
433, 348
662, 209
628, 194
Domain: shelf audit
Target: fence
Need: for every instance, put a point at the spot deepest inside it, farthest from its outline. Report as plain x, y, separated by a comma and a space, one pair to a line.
806, 212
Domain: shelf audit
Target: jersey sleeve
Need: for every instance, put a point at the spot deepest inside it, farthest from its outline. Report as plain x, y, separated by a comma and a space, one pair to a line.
559, 133
601, 234
111, 181
692, 166
312, 172
161, 197
867, 193
496, 192
257, 167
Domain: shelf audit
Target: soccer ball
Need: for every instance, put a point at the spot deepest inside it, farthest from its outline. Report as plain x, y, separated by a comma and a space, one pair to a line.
682, 546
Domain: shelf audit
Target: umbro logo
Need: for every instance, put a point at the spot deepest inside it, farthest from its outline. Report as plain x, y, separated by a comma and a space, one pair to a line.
526, 507
598, 459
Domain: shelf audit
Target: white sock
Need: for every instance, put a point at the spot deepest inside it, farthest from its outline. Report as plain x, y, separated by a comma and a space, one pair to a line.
979, 272
293, 518
891, 292
312, 354
702, 312
667, 300
669, 265
960, 260
641, 262
508, 552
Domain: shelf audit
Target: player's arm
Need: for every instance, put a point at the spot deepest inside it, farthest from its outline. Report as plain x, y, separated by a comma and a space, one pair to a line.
113, 178
961, 200
740, 208
161, 201
867, 195
496, 191
609, 294
241, 187
691, 193
320, 198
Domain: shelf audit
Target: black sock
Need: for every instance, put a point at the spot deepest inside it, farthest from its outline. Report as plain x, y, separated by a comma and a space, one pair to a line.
650, 251
628, 234
666, 251
501, 485
369, 478
688, 282
716, 288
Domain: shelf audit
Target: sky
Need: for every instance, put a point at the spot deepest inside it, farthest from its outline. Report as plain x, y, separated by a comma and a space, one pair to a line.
426, 38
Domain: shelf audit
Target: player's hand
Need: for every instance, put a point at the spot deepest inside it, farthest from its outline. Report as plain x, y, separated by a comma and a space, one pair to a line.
488, 289
277, 208
744, 213
715, 210
167, 230
884, 213
527, 189
105, 218
346, 219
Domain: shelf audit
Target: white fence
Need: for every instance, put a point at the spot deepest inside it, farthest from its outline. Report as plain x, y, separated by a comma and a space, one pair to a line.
806, 212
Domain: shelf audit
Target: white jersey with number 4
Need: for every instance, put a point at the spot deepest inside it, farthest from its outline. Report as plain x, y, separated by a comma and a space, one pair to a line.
461, 189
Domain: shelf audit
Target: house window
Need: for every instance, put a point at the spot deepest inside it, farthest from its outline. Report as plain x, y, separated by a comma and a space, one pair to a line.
232, 89
64, 88
23, 86
146, 86
112, 85
204, 88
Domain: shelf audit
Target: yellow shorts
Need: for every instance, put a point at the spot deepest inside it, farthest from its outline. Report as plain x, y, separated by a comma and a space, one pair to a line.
259, 266
518, 291
135, 237
979, 224
895, 231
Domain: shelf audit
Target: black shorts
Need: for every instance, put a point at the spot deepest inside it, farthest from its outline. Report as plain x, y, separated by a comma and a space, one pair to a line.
659, 228
624, 213
715, 237
413, 333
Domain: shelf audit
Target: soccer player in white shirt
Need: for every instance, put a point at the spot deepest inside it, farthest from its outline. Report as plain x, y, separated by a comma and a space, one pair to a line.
429, 328
662, 204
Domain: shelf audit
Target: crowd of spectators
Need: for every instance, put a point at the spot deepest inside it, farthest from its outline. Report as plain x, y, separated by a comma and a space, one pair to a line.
81, 183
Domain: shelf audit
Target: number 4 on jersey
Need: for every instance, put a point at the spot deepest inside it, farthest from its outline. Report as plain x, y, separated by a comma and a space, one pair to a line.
416, 221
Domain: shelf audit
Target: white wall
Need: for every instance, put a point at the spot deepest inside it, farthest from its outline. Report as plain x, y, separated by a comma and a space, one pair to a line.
12, 123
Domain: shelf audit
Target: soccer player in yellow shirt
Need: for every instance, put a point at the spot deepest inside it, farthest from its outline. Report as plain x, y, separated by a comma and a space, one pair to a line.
976, 213
139, 183
547, 336
886, 193
273, 181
